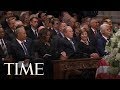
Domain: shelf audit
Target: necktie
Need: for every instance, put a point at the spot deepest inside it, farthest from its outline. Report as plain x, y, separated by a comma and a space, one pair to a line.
24, 48
36, 34
4, 47
95, 32
73, 45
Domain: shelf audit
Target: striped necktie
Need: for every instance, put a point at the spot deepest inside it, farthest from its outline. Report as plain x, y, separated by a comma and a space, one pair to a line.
24, 48
73, 45
4, 47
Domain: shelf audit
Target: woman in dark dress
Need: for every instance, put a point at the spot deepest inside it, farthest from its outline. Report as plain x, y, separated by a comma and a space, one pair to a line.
89, 51
86, 47
43, 44
43, 50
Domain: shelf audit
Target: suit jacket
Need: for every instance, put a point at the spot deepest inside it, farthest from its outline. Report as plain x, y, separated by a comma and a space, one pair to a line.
4, 24
18, 52
93, 38
68, 48
9, 49
101, 43
86, 49
41, 48
54, 33
30, 33
56, 44
9, 34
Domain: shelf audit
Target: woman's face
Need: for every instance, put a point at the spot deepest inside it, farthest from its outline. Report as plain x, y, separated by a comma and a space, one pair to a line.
48, 36
84, 36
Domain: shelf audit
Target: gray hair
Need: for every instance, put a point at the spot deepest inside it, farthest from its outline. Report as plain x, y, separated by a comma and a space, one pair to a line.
103, 27
18, 30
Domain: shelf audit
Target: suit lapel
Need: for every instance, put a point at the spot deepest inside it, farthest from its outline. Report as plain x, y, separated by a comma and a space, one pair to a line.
68, 43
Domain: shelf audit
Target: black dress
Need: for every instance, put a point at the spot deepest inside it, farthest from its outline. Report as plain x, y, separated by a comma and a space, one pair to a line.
86, 49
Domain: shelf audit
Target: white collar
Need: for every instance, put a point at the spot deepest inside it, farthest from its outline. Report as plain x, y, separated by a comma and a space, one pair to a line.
93, 30
20, 41
62, 34
33, 29
68, 39
105, 37
0, 41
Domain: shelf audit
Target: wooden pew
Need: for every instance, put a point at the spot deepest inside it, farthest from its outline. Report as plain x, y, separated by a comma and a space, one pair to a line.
63, 68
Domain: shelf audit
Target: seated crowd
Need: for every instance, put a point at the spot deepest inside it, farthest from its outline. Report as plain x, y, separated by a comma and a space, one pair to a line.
36, 37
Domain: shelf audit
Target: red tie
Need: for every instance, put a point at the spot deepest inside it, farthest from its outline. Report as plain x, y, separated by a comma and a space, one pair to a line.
95, 32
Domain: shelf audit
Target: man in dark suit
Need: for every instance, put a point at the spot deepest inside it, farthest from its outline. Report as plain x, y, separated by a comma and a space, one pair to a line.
5, 45
22, 46
101, 42
32, 31
5, 54
42, 18
56, 40
22, 49
7, 14
10, 31
55, 24
68, 45
94, 33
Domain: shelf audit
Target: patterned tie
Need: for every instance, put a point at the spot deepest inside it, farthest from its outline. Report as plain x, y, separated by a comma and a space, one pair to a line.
4, 47
24, 48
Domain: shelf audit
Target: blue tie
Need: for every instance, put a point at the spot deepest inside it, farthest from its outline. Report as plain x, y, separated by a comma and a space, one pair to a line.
24, 48
73, 45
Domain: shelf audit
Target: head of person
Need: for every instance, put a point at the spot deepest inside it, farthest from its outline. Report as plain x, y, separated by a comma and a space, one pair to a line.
83, 35
21, 33
8, 14
34, 21
86, 20
40, 28
55, 23
44, 35
68, 32
11, 22
62, 26
105, 30
18, 23
94, 23
71, 22
24, 17
2, 33
42, 16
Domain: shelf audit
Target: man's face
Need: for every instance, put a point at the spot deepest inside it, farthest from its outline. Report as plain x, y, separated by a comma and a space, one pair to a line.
56, 25
95, 24
22, 34
43, 16
108, 31
34, 22
12, 23
62, 26
69, 32
2, 34
9, 13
